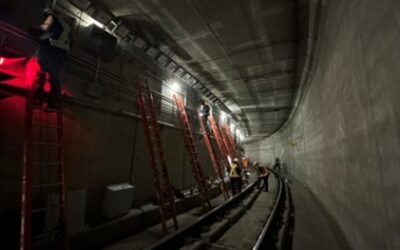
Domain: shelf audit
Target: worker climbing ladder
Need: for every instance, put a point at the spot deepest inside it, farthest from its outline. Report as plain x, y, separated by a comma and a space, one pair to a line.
194, 157
43, 208
162, 184
214, 160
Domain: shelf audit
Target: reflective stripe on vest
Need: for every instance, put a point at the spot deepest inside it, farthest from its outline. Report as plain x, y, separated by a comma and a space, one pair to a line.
233, 171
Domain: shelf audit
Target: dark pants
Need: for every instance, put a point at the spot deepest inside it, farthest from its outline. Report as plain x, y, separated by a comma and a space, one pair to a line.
52, 61
263, 183
236, 185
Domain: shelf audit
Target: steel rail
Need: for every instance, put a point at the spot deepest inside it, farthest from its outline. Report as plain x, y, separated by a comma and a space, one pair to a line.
262, 237
178, 238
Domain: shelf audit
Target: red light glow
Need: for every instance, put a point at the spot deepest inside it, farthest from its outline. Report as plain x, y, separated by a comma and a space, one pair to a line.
18, 72
21, 73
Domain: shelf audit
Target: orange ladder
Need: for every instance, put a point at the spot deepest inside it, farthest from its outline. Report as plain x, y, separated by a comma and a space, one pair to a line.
194, 157
162, 184
231, 143
43, 203
214, 160
227, 142
221, 144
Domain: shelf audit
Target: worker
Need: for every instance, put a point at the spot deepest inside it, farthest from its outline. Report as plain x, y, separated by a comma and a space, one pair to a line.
53, 48
205, 113
246, 172
245, 177
277, 165
263, 182
245, 162
254, 165
234, 172
259, 170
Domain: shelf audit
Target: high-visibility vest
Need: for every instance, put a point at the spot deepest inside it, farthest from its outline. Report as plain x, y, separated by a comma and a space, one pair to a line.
233, 173
63, 41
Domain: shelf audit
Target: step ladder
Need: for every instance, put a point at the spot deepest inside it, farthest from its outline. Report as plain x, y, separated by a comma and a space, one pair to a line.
214, 160
163, 189
194, 157
43, 207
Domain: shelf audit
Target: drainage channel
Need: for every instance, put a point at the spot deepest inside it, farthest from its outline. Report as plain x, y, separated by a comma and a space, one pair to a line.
208, 231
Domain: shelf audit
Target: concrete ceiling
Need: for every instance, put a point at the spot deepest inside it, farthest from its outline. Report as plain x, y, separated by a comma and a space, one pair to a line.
245, 51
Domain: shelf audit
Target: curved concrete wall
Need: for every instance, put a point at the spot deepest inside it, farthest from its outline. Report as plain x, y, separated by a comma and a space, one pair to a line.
343, 142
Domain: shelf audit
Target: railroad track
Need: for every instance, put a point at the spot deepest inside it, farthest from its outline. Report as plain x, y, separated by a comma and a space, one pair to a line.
210, 230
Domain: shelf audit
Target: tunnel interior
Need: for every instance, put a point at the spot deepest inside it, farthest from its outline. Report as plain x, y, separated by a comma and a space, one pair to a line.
312, 82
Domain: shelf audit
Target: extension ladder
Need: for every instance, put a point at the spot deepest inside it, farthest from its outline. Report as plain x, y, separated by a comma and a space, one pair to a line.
43, 208
222, 146
227, 143
216, 165
162, 184
194, 157
231, 143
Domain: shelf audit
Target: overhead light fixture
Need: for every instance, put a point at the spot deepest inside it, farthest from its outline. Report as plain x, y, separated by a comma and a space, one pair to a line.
179, 72
196, 84
81, 4
162, 59
152, 52
192, 81
122, 30
87, 18
90, 11
166, 50
139, 43
112, 26
102, 16
129, 38
171, 66
186, 77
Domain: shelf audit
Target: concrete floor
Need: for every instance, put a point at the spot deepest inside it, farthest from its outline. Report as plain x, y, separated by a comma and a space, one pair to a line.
314, 228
